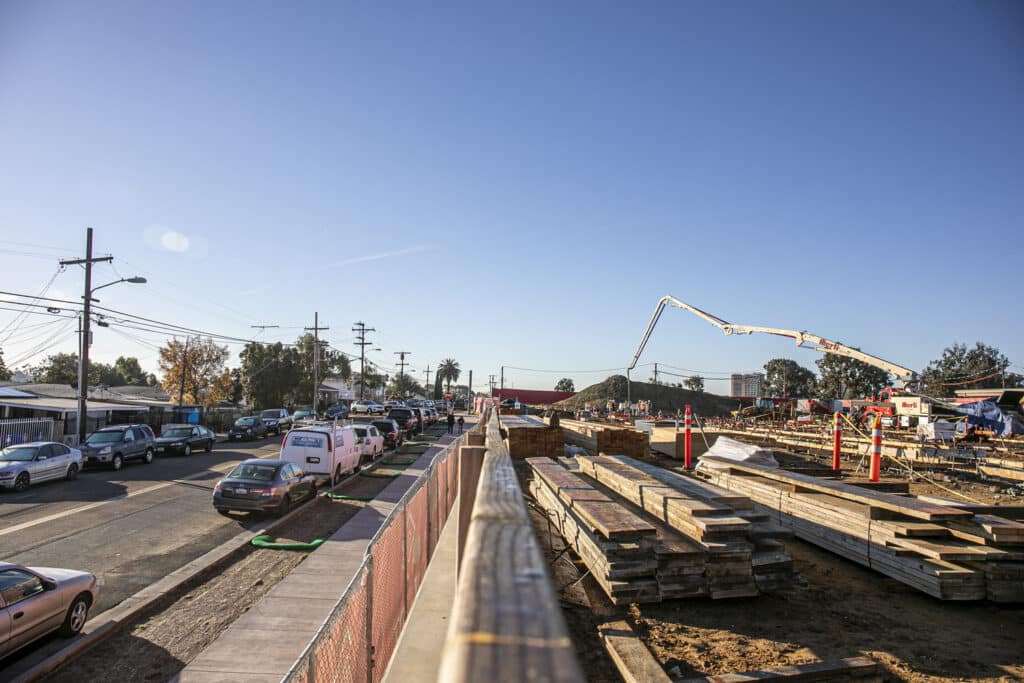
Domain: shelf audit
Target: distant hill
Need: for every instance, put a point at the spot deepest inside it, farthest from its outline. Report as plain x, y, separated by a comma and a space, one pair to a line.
668, 399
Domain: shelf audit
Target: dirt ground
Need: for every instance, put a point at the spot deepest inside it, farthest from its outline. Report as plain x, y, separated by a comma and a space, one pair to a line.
844, 611
175, 631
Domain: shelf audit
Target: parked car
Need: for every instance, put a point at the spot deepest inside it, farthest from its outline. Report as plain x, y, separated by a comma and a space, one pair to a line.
115, 445
303, 416
370, 441
433, 415
259, 485
422, 416
31, 463
392, 433
250, 427
327, 451
35, 601
388, 405
460, 404
406, 419
370, 407
277, 420
338, 411
184, 439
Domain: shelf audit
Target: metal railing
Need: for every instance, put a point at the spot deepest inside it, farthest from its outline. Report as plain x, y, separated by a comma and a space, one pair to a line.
356, 641
25, 430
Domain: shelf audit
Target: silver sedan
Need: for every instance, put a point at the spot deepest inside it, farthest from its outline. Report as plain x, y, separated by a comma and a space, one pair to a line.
35, 601
31, 463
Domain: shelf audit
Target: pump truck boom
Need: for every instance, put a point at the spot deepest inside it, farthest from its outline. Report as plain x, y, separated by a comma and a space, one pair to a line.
905, 376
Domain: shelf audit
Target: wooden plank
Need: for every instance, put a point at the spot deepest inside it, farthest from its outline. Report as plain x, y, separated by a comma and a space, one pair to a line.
910, 507
861, 669
634, 661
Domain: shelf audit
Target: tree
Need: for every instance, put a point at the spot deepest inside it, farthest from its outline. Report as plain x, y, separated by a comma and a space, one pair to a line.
5, 374
405, 385
130, 371
842, 377
332, 363
438, 385
194, 371
60, 368
268, 374
786, 378
982, 367
565, 384
450, 371
695, 383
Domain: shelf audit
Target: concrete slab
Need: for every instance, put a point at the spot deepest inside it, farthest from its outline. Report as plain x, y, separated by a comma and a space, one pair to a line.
289, 614
417, 656
252, 651
197, 676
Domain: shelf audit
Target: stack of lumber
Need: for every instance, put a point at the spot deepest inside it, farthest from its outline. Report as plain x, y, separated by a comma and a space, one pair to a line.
606, 438
637, 556
529, 437
938, 547
744, 550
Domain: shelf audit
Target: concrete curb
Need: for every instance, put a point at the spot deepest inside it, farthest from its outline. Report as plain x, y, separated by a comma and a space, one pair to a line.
103, 625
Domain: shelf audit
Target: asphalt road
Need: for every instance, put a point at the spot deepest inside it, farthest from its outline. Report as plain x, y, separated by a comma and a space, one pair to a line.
130, 527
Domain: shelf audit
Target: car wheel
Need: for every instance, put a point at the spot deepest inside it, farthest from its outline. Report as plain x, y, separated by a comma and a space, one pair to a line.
285, 506
209, 445
117, 462
148, 457
22, 482
77, 614
312, 492
72, 472
188, 449
337, 476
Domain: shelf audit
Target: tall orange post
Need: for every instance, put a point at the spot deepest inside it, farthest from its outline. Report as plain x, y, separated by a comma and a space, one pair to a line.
687, 443
837, 442
876, 449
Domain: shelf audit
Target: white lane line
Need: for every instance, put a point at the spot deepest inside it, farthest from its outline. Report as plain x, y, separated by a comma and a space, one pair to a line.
90, 506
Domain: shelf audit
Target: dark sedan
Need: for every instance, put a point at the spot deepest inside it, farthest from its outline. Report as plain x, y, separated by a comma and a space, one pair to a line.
184, 439
393, 435
258, 485
250, 427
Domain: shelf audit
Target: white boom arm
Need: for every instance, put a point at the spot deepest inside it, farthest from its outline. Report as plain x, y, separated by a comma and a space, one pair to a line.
803, 339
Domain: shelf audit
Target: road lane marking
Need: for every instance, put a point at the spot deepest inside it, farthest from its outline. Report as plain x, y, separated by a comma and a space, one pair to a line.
90, 506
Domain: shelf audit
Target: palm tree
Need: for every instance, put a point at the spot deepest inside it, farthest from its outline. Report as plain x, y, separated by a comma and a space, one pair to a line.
449, 372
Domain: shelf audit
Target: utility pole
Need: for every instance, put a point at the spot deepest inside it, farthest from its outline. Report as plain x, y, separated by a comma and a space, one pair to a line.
502, 381
427, 373
401, 368
469, 397
491, 382
361, 329
184, 369
84, 340
316, 359
655, 373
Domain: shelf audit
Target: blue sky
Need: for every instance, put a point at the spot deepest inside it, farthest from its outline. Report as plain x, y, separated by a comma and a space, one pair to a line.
519, 183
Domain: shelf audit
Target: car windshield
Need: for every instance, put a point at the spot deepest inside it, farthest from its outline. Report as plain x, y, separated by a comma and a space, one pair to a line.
384, 426
18, 453
254, 472
270, 413
105, 437
360, 431
245, 421
177, 433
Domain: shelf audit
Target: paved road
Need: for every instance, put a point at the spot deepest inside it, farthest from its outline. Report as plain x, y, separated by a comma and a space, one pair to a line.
130, 527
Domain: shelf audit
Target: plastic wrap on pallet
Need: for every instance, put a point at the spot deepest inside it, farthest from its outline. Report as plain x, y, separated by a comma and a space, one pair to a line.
737, 451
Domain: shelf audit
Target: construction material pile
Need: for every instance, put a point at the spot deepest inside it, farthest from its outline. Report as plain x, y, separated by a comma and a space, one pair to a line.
670, 537
528, 436
943, 548
598, 438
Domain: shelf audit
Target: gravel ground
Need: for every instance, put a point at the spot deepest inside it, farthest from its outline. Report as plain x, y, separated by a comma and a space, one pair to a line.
163, 641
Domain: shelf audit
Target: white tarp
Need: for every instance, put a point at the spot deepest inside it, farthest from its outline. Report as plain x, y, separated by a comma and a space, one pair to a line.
942, 430
737, 451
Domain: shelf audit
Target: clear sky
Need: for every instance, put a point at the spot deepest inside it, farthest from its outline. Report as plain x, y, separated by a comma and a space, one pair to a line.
518, 183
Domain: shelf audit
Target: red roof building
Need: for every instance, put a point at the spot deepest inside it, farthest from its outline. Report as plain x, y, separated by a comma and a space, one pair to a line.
532, 396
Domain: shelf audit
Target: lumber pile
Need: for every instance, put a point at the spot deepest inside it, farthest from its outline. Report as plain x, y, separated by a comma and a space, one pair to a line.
638, 556
938, 547
606, 438
529, 437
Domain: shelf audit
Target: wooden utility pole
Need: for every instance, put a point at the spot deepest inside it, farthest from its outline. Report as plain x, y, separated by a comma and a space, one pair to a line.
316, 359
401, 368
361, 329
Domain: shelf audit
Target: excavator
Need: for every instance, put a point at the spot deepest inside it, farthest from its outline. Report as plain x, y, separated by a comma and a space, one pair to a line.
904, 376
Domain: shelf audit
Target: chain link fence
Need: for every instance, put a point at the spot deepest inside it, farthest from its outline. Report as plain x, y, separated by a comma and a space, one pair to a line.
355, 643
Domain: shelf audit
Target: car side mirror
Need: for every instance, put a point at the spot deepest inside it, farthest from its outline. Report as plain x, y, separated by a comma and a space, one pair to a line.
49, 584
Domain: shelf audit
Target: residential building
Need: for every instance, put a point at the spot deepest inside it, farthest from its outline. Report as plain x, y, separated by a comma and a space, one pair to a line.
747, 384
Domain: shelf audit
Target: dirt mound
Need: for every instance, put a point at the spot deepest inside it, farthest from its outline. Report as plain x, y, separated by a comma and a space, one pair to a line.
665, 398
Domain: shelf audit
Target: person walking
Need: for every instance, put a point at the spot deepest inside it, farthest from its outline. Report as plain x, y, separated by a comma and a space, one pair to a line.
451, 422
462, 423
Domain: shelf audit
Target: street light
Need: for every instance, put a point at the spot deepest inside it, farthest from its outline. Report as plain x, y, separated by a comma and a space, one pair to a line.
83, 355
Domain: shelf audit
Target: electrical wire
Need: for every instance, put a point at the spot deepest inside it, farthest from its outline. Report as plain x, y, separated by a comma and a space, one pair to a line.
14, 322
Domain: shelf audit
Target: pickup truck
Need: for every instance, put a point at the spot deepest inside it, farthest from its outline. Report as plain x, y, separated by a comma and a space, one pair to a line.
277, 420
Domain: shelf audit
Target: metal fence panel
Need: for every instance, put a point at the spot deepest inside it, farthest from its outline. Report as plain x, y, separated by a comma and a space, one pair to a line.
453, 478
17, 431
432, 507
388, 592
416, 556
340, 655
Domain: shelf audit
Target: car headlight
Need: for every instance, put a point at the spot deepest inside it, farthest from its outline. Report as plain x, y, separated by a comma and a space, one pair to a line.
105, 450
180, 443
6, 475
249, 430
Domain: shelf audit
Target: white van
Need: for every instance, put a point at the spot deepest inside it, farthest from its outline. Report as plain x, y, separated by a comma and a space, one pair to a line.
328, 451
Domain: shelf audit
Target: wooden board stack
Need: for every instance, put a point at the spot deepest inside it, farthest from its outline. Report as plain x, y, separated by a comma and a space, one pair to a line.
640, 556
530, 437
939, 547
606, 438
